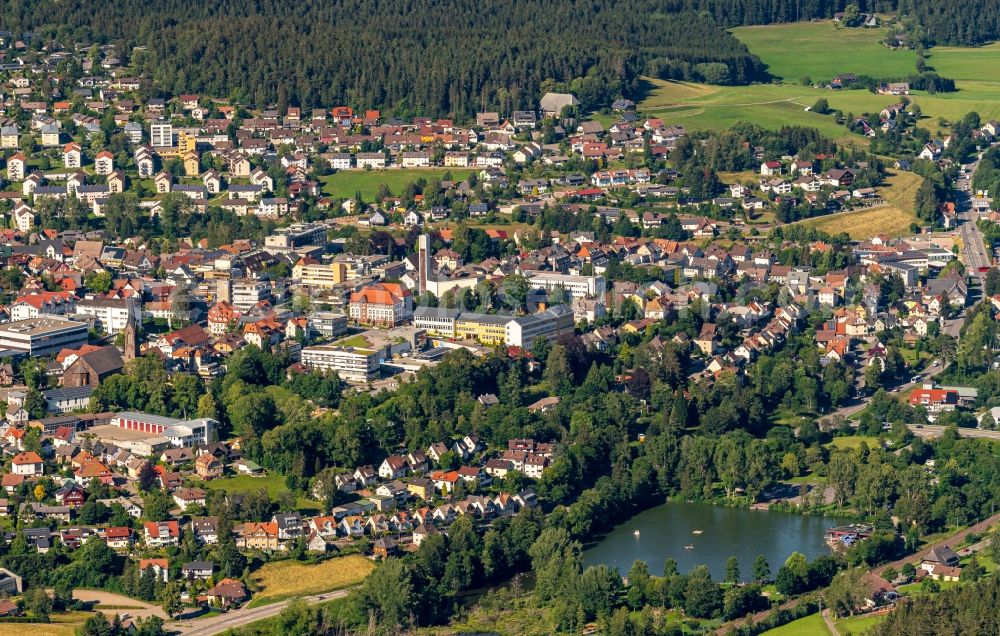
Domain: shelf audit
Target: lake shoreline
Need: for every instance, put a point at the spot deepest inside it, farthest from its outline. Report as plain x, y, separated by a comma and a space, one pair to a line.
704, 533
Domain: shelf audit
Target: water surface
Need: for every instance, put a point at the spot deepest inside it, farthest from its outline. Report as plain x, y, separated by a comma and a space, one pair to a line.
669, 531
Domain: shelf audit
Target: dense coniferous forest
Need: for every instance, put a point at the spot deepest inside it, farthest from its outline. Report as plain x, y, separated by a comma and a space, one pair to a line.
407, 57
969, 22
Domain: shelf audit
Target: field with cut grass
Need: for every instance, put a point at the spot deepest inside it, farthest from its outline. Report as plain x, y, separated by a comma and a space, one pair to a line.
699, 107
893, 218
884, 219
811, 625
858, 624
854, 441
273, 484
344, 184
63, 624
819, 51
284, 579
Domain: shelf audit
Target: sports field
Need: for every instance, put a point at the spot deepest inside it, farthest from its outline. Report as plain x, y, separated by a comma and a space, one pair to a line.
344, 184
820, 50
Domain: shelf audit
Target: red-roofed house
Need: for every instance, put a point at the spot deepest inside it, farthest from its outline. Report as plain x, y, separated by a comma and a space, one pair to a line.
31, 305
162, 533
27, 464
117, 538
934, 400
161, 567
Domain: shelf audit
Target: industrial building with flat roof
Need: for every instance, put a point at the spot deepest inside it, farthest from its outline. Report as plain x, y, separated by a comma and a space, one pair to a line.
42, 336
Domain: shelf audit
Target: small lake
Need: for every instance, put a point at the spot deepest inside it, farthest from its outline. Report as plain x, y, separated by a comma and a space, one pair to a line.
664, 532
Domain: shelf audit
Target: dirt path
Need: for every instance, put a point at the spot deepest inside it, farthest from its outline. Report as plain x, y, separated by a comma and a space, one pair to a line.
829, 622
113, 600
703, 104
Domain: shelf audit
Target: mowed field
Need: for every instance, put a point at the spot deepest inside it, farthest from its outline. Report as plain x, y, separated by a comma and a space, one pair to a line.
344, 184
272, 483
820, 50
893, 218
811, 625
63, 624
284, 579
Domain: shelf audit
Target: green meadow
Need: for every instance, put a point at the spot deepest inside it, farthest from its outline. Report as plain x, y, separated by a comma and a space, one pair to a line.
820, 50
344, 184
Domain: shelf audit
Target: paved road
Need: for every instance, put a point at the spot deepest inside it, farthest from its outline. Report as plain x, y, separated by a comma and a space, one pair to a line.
930, 430
847, 411
218, 624
975, 254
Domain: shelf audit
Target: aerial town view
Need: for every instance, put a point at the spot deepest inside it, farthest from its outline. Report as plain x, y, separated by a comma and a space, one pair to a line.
519, 317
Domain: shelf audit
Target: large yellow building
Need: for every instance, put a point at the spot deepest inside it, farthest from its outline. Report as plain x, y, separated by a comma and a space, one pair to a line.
320, 275
489, 329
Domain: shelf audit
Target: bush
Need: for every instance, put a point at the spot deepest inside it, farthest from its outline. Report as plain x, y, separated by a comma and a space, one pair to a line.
821, 106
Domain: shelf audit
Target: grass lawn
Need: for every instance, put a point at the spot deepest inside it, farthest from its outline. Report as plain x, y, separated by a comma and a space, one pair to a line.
984, 560
806, 479
700, 107
820, 50
811, 625
284, 579
344, 184
854, 441
785, 417
357, 341
915, 589
273, 484
910, 357
858, 624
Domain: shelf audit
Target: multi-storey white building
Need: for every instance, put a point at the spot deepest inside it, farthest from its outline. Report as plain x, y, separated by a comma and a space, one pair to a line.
161, 135
111, 315
352, 364
574, 286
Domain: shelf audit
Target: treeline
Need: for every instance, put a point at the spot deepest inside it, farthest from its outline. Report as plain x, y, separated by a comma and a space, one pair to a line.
923, 81
970, 609
987, 175
423, 57
967, 23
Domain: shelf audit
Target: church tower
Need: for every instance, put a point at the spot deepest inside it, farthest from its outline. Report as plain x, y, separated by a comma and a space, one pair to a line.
131, 339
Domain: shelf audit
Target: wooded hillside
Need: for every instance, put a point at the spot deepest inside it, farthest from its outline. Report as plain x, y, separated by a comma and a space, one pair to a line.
408, 57
970, 22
